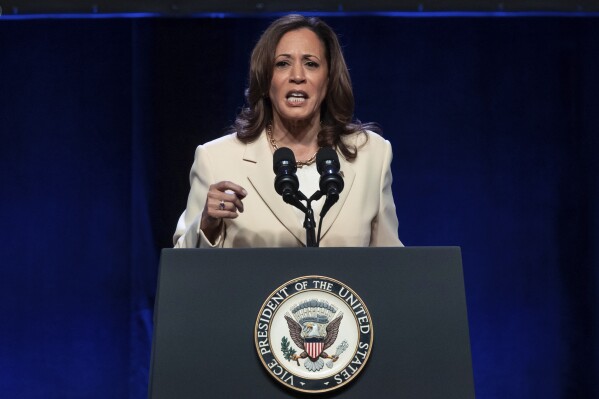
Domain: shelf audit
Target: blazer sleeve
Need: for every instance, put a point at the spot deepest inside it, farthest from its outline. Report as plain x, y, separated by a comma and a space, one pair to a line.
384, 226
188, 233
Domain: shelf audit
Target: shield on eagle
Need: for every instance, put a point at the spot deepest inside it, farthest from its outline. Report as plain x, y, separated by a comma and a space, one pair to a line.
314, 347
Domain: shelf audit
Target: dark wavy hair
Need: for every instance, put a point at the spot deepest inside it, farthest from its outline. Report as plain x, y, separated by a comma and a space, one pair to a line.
337, 108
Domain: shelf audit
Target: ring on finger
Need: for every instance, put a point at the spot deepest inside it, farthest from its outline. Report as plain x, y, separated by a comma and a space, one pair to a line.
221, 206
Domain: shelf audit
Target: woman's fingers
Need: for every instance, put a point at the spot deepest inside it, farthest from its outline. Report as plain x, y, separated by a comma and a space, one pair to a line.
226, 196
223, 201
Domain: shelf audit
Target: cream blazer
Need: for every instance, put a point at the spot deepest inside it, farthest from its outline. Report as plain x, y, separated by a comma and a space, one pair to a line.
364, 215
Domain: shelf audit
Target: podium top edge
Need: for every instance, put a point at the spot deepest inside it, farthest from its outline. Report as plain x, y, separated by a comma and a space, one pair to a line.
411, 248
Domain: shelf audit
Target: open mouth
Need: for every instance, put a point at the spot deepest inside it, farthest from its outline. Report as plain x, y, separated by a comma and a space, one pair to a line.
296, 97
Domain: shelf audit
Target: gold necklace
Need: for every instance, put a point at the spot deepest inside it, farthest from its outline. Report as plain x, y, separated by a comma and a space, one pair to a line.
274, 145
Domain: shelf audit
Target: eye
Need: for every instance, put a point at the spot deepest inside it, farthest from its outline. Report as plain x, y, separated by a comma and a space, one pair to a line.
281, 64
312, 64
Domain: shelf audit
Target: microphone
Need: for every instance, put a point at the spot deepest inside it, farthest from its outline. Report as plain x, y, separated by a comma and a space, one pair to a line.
331, 182
287, 185
286, 182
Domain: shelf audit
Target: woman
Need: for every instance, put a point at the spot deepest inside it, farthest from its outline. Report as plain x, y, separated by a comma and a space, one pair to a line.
300, 97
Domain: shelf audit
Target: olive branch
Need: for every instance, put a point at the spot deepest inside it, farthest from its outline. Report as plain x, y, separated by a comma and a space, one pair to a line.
286, 348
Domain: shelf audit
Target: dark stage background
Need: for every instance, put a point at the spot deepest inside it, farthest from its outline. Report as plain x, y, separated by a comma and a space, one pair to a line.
494, 125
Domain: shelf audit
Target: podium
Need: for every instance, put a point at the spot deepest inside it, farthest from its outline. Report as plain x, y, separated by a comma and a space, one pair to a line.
208, 301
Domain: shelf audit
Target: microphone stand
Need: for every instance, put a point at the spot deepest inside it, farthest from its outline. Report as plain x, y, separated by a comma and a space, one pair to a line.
309, 222
310, 225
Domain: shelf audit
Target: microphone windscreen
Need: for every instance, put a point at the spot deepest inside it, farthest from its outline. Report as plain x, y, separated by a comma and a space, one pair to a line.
326, 154
282, 154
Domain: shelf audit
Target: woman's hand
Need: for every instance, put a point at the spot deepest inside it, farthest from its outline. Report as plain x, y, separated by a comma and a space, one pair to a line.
223, 201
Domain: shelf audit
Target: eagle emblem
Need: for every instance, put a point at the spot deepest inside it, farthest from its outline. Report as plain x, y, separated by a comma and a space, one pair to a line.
305, 339
313, 327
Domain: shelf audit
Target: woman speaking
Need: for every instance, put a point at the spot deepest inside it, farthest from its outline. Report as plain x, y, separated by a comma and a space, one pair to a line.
299, 97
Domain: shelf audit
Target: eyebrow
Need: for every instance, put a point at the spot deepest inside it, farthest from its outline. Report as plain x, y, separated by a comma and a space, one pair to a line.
303, 56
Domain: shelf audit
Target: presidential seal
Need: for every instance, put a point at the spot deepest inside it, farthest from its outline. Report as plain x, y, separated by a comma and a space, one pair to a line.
313, 334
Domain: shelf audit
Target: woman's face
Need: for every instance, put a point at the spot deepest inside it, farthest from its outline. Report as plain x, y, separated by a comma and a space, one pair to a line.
300, 77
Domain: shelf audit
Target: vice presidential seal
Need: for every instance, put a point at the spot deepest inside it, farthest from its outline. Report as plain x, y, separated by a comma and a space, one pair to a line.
313, 334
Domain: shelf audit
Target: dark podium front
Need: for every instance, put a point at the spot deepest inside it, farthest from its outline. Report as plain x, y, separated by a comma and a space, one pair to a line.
208, 301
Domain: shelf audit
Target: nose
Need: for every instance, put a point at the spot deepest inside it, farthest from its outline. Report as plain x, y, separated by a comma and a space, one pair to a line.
297, 74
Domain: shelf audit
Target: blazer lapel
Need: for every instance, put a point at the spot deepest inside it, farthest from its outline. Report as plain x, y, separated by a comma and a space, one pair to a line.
260, 174
348, 174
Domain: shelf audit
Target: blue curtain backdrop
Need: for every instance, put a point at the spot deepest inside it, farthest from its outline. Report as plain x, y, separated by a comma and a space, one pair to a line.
494, 127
